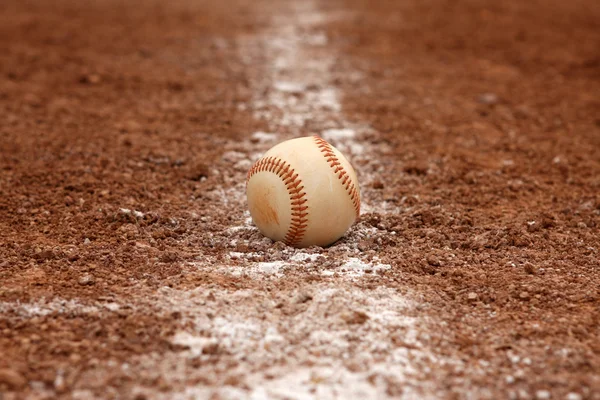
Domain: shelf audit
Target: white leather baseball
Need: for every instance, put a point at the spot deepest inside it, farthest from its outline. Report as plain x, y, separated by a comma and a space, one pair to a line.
303, 192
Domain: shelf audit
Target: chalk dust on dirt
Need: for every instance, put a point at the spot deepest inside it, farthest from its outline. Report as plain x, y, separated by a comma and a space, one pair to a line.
129, 266
320, 335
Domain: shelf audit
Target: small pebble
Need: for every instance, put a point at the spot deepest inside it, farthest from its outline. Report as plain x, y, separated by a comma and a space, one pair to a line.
87, 279
530, 268
433, 261
524, 295
472, 296
542, 395
303, 298
377, 185
364, 245
488, 98
59, 384
90, 79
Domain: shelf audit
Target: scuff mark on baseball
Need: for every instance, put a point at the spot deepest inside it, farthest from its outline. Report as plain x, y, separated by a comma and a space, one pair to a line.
303, 192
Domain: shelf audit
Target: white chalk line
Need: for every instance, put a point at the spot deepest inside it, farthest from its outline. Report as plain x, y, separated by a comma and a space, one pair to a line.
298, 94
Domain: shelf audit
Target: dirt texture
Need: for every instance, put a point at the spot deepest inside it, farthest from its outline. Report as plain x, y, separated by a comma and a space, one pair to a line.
129, 264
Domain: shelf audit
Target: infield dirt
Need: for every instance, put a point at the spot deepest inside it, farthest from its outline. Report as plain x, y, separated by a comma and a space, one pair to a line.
129, 266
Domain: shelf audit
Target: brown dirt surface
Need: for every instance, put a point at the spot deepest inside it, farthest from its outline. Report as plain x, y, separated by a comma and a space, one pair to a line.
129, 264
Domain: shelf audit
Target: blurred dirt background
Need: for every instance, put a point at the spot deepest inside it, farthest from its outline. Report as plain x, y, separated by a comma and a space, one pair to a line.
126, 126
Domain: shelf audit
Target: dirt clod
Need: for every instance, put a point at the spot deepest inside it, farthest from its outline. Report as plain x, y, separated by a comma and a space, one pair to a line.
355, 317
12, 379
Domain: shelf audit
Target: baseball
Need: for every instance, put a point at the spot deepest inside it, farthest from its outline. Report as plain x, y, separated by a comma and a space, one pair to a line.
303, 192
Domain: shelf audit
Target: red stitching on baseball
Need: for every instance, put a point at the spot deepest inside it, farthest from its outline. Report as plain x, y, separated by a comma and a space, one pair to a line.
293, 183
341, 173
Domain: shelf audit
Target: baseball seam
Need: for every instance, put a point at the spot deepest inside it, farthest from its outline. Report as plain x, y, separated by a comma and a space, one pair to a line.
340, 172
299, 220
